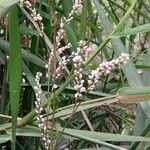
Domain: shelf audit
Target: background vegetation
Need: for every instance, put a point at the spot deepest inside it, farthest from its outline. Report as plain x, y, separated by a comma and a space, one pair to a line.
110, 27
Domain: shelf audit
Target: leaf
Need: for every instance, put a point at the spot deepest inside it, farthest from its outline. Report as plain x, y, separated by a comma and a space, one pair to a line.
4, 138
25, 54
83, 106
83, 21
135, 30
129, 94
27, 131
28, 31
106, 136
67, 6
15, 68
5, 6
71, 35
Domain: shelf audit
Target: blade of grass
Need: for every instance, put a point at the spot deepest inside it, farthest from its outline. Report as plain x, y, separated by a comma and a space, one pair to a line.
67, 6
84, 105
83, 21
25, 54
71, 35
15, 69
108, 136
4, 138
132, 31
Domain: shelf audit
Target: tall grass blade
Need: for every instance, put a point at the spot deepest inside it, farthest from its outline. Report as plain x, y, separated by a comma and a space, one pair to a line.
15, 69
83, 24
135, 30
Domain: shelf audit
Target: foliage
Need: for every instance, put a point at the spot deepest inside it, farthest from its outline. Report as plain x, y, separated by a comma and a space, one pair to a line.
66, 81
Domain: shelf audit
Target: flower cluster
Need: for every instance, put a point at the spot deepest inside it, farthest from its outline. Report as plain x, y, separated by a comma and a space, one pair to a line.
105, 68
77, 60
61, 31
85, 49
80, 49
39, 109
61, 66
76, 6
59, 36
36, 16
60, 50
50, 59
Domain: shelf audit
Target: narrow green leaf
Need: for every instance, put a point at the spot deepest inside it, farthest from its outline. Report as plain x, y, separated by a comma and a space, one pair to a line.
84, 105
67, 6
71, 35
15, 68
83, 21
107, 136
134, 91
136, 30
4, 138
25, 54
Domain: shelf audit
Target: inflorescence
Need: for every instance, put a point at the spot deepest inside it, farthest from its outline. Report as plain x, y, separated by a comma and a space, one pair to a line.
36, 16
41, 121
105, 68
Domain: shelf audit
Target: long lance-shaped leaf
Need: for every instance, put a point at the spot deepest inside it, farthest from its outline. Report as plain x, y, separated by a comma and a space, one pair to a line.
15, 68
133, 95
135, 30
84, 105
32, 131
25, 54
